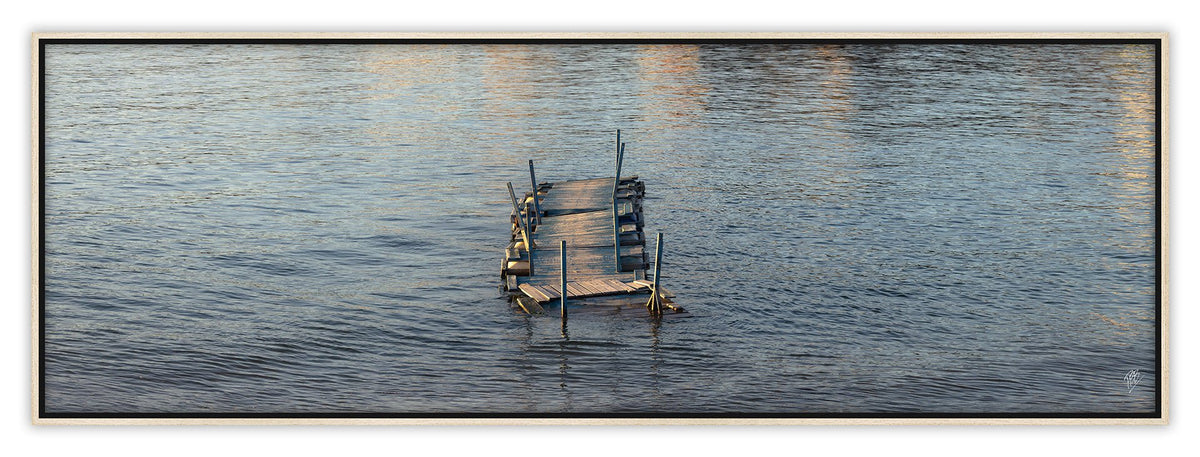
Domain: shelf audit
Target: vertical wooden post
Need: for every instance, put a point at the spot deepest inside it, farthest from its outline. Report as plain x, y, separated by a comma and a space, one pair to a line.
521, 221
537, 207
655, 303
562, 291
529, 219
616, 207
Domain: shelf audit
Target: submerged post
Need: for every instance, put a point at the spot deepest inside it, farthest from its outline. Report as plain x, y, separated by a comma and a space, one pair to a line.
562, 274
617, 208
537, 207
521, 222
655, 303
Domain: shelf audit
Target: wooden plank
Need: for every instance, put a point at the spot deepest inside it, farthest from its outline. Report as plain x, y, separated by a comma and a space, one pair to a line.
604, 287
598, 287
596, 196
593, 287
550, 291
535, 292
543, 281
530, 305
585, 261
573, 290
517, 268
580, 290
618, 285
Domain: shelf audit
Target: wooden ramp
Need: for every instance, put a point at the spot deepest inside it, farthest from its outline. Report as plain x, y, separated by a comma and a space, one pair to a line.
598, 219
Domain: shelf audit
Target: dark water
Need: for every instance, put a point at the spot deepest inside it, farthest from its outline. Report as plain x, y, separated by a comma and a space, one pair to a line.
859, 228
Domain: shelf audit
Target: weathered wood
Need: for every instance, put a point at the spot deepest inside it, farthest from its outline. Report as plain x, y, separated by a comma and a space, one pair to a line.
576, 289
591, 263
582, 288
618, 285
530, 305
517, 211
599, 287
545, 293
536, 293
601, 219
517, 267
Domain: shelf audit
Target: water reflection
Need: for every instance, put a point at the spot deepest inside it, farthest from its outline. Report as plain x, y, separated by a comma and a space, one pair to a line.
671, 90
959, 215
835, 79
411, 80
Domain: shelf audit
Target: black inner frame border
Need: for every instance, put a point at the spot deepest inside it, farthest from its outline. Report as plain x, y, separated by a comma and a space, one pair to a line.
1158, 44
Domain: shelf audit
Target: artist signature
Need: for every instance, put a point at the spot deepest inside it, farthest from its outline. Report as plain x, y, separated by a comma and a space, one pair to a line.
1132, 378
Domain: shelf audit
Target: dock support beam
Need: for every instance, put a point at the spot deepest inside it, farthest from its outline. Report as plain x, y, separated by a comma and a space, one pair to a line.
655, 303
562, 273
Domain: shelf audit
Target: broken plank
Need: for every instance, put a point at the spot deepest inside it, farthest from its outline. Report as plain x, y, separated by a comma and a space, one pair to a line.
530, 306
536, 293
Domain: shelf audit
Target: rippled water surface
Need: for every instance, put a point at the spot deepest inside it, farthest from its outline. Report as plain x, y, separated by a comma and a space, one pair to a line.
855, 228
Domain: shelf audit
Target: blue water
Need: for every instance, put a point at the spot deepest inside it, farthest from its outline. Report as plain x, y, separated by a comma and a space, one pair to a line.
870, 228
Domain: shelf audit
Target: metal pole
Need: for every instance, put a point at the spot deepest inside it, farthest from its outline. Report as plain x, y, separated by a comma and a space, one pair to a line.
521, 221
655, 303
620, 160
537, 207
616, 208
562, 291
529, 226
618, 147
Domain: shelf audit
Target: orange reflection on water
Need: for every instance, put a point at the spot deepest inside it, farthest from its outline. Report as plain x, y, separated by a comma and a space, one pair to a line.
415, 76
672, 90
1136, 97
1134, 132
402, 69
835, 84
513, 80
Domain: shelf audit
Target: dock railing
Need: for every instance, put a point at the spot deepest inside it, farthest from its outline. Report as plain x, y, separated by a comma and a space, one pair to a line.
523, 223
615, 206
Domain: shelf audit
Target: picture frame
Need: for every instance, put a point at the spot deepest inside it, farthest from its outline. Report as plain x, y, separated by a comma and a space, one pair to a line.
45, 414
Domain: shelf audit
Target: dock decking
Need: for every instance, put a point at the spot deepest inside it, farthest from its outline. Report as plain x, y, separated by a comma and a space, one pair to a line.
581, 213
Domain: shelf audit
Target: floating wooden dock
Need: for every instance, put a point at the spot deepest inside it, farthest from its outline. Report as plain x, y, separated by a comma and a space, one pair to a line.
597, 224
